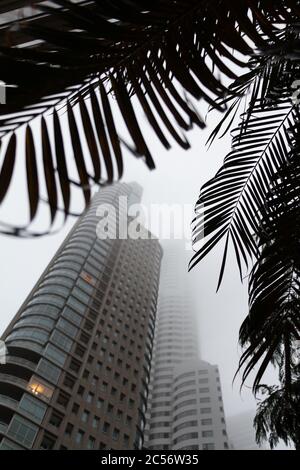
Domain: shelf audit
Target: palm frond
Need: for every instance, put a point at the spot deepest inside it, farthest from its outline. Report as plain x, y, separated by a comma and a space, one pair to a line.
229, 203
81, 56
277, 416
273, 322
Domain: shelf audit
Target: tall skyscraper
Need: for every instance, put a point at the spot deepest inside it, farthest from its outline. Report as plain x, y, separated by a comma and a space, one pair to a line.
185, 401
77, 372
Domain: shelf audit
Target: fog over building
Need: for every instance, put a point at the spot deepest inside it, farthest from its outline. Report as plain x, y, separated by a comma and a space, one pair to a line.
185, 403
241, 432
79, 348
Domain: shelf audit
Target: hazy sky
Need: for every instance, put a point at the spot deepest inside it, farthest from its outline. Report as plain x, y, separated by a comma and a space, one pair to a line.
177, 179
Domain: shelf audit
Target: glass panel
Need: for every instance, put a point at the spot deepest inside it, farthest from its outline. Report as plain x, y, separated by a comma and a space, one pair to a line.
36, 320
78, 306
63, 272
40, 388
87, 287
33, 407
6, 444
48, 370
72, 316
29, 333
61, 340
82, 296
22, 430
42, 309
55, 354
55, 279
47, 299
67, 327
53, 289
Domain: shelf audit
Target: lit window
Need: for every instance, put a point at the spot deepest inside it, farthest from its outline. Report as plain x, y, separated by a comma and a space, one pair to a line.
40, 389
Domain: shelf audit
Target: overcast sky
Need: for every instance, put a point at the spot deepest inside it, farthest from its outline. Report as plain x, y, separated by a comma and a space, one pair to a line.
177, 179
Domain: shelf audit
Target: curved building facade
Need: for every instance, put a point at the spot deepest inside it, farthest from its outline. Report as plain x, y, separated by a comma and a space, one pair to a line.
185, 404
79, 349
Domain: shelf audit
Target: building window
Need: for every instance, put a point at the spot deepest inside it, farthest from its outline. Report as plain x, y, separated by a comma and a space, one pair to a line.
207, 434
100, 403
203, 381
79, 437
79, 351
69, 429
48, 370
55, 419
94, 380
22, 430
33, 407
6, 444
126, 441
39, 388
48, 442
61, 340
63, 399
205, 422
96, 422
185, 403
84, 338
75, 365
75, 408
205, 400
187, 424
89, 397
209, 446
69, 381
105, 427
91, 443
72, 316
205, 410
186, 437
85, 416
55, 354
115, 434
78, 306
67, 327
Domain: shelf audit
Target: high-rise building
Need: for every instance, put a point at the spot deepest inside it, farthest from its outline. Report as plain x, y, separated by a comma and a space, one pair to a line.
79, 349
185, 401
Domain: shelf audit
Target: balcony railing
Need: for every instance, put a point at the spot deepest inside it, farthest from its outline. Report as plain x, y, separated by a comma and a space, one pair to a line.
5, 400
13, 379
21, 361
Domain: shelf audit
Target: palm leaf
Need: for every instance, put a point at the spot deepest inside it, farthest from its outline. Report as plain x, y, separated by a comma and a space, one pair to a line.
274, 285
81, 55
229, 203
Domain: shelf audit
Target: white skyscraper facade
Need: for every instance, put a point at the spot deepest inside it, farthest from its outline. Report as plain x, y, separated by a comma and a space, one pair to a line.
185, 408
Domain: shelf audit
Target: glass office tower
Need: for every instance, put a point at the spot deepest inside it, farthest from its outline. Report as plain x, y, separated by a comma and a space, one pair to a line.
79, 349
